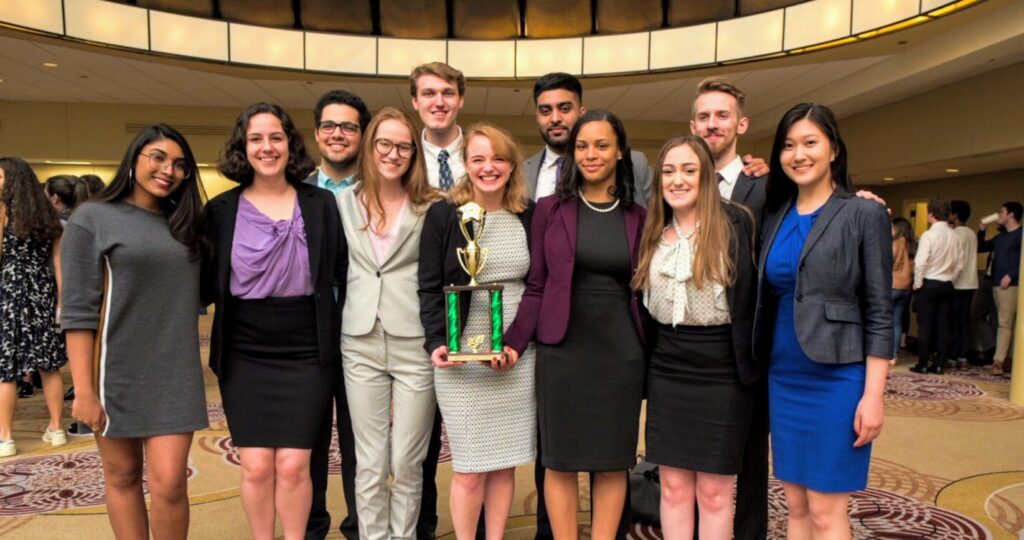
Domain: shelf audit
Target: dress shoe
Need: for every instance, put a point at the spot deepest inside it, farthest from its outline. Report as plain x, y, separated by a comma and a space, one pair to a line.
937, 369
25, 389
70, 394
918, 368
79, 428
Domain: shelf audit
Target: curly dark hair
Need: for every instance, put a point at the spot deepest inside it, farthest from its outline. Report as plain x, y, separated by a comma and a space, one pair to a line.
234, 163
183, 207
30, 214
571, 180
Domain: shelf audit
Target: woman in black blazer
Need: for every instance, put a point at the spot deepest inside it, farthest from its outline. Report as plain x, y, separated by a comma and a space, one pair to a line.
278, 255
699, 283
824, 319
488, 407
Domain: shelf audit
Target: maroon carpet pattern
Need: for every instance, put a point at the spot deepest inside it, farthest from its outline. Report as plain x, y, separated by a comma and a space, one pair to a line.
911, 386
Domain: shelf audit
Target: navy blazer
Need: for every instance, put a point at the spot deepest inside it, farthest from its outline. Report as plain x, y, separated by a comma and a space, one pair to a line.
843, 303
439, 267
544, 310
328, 266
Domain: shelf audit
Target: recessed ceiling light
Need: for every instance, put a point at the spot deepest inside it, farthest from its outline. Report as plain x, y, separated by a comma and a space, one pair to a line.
888, 178
50, 64
67, 162
952, 171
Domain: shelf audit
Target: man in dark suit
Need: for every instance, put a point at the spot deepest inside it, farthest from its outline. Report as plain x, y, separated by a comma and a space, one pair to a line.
559, 101
341, 118
718, 118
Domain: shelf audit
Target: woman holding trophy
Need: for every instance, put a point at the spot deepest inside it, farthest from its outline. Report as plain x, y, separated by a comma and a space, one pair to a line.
586, 320
488, 406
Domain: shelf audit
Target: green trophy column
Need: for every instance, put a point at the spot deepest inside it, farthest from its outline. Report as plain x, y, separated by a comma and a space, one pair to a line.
497, 324
452, 319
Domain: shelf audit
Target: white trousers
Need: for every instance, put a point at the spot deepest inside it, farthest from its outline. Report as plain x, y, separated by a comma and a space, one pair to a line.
385, 374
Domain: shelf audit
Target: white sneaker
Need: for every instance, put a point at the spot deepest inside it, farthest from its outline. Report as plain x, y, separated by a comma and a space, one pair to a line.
55, 438
7, 449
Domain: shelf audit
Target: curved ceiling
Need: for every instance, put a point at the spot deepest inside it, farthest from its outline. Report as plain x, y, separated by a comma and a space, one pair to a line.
468, 19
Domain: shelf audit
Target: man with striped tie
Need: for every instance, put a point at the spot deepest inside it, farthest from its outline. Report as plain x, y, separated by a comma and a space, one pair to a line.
437, 95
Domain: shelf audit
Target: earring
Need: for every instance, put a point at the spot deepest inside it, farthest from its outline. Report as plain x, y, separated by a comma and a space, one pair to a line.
131, 178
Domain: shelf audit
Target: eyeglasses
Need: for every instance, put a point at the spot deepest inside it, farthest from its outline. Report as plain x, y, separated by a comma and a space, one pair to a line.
384, 147
159, 159
327, 127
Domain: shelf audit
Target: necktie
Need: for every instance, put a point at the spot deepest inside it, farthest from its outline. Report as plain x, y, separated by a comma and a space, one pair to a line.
558, 171
446, 172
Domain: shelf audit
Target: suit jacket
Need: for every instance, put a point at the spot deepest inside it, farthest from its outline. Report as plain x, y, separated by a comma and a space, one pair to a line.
843, 304
742, 294
544, 310
439, 267
642, 175
387, 291
328, 263
749, 191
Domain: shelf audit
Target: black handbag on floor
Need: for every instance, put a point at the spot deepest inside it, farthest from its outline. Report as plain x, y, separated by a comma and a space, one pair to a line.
645, 494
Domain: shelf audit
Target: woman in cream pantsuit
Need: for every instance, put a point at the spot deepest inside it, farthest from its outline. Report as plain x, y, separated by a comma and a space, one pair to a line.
384, 363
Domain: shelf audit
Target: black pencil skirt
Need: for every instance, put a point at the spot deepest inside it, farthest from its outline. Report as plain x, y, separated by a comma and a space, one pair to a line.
698, 413
274, 388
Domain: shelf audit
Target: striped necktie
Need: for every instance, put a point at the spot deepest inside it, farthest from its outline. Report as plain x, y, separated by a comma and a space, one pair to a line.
446, 180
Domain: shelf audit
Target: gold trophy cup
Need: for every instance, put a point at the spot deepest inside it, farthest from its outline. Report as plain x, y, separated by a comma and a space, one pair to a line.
472, 259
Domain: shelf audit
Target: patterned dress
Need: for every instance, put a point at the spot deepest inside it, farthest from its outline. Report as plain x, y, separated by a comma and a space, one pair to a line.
491, 416
29, 337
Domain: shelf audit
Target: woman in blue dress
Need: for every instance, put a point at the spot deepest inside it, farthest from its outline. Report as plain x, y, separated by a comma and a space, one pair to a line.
824, 319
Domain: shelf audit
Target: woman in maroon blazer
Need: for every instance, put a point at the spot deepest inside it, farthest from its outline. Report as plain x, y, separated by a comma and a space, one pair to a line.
579, 307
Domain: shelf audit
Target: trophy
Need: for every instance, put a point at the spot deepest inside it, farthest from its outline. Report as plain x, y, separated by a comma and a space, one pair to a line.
472, 258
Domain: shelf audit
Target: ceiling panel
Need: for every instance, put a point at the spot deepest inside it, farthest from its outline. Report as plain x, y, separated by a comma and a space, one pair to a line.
345, 16
557, 18
288, 94
603, 98
506, 101
640, 97
475, 101
617, 17
687, 12
196, 8
241, 91
419, 19
278, 13
494, 19
750, 7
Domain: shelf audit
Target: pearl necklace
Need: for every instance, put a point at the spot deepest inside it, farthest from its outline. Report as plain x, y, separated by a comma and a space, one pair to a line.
596, 209
679, 230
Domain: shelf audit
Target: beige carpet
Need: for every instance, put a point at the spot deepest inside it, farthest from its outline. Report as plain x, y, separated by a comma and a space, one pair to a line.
949, 465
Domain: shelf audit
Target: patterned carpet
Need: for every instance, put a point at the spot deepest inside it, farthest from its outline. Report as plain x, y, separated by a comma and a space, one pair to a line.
949, 465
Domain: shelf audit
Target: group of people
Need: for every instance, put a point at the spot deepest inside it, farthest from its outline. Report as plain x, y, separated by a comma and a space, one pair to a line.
942, 271
32, 350
732, 304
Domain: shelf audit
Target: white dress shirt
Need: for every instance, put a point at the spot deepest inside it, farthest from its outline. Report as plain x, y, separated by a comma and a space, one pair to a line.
730, 173
967, 279
938, 255
430, 153
546, 176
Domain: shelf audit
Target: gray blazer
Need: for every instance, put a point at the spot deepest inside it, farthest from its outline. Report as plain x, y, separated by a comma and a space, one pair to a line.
388, 290
641, 174
843, 305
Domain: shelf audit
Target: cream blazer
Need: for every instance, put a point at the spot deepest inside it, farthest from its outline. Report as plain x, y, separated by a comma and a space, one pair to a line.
388, 290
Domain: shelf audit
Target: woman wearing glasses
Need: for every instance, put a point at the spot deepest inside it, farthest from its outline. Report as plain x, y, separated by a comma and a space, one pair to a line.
385, 366
135, 251
278, 254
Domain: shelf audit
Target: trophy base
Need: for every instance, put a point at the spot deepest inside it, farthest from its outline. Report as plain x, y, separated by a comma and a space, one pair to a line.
473, 357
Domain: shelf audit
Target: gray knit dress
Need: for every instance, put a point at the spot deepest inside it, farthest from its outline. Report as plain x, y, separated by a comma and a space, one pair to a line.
151, 380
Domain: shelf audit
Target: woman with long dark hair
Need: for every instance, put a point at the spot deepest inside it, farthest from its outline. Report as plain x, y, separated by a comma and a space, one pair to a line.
699, 282
824, 321
30, 283
278, 254
579, 307
132, 260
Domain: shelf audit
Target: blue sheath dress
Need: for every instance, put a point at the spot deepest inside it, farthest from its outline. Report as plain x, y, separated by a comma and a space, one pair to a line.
811, 405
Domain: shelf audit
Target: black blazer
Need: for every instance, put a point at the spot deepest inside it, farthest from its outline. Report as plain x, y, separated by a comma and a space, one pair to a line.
439, 267
328, 266
843, 303
742, 294
749, 191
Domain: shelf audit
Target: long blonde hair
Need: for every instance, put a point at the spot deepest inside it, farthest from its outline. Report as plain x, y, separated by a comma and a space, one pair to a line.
514, 198
414, 180
711, 261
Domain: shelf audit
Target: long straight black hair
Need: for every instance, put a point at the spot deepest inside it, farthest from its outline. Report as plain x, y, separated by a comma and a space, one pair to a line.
571, 180
183, 207
780, 187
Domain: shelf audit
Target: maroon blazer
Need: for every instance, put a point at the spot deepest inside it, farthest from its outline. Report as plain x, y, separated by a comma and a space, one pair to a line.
544, 309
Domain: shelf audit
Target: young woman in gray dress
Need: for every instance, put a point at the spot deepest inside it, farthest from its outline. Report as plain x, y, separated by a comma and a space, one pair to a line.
489, 407
135, 250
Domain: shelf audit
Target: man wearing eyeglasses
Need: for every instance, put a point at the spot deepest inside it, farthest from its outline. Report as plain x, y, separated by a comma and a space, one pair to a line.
437, 95
341, 118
